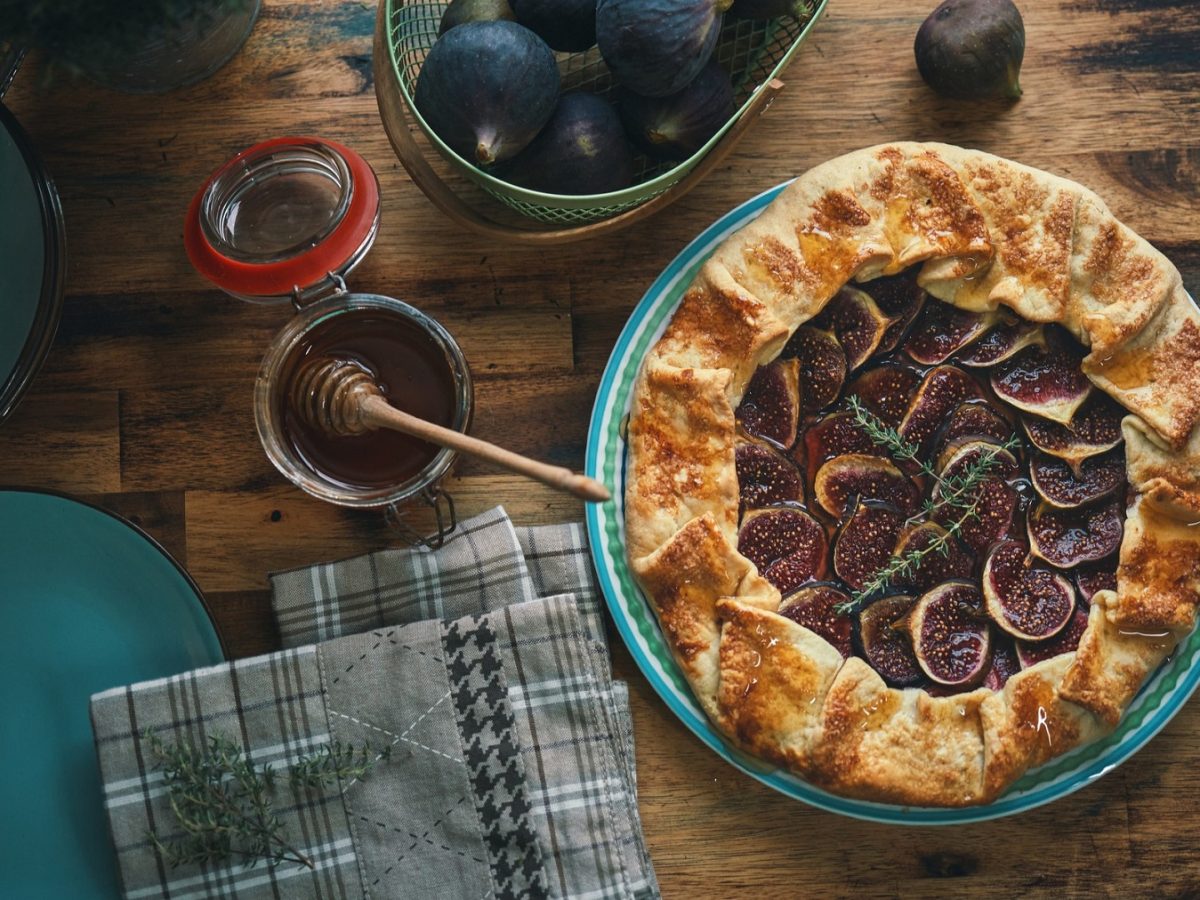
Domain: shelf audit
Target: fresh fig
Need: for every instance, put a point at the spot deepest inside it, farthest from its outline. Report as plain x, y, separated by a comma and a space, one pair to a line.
1090, 580
950, 634
901, 300
815, 606
460, 12
1042, 381
787, 545
885, 391
766, 476
942, 330
942, 389
844, 477
677, 126
1066, 641
951, 562
656, 47
1005, 663
1097, 477
582, 150
1068, 537
1029, 603
822, 366
857, 321
487, 89
770, 408
972, 420
1095, 429
770, 9
886, 647
972, 49
1002, 342
566, 25
865, 541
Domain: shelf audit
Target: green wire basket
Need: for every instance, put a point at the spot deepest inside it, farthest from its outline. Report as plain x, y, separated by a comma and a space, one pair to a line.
755, 53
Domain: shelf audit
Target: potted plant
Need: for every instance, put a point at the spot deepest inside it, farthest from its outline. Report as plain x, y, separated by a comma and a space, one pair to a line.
140, 46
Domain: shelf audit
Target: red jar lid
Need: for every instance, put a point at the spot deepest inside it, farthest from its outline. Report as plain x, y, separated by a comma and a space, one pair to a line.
283, 216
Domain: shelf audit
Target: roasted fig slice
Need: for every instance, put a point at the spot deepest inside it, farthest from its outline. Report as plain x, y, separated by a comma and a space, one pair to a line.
770, 408
1095, 429
886, 648
942, 330
1066, 641
1097, 477
949, 562
815, 607
1044, 381
974, 419
787, 545
1030, 604
1068, 537
950, 634
867, 477
1090, 580
766, 476
822, 366
993, 519
885, 391
961, 454
1002, 342
901, 300
942, 389
865, 541
835, 435
857, 321
1004, 663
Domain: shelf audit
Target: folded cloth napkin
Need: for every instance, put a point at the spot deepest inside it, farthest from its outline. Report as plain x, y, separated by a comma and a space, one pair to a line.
482, 665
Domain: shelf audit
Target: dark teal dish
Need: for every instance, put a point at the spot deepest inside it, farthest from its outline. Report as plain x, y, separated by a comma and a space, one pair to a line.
87, 602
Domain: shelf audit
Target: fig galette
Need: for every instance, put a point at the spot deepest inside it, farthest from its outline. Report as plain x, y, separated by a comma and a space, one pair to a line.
914, 474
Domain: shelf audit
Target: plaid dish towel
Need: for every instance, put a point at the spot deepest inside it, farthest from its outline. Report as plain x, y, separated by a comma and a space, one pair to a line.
482, 665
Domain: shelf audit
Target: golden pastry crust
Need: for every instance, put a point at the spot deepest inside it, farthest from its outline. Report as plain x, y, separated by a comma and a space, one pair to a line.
987, 233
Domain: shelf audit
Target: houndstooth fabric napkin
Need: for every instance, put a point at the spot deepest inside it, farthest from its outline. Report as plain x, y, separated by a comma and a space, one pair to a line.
483, 666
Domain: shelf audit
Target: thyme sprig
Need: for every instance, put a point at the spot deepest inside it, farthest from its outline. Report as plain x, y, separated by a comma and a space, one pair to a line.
956, 491
222, 801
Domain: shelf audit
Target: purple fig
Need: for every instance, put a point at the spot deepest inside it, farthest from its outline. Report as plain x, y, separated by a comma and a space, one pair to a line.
815, 606
858, 323
1029, 603
972, 49
941, 391
766, 476
887, 648
844, 477
951, 562
1005, 663
974, 419
1046, 382
1068, 537
886, 391
1095, 429
835, 435
901, 300
950, 634
942, 330
679, 125
770, 408
1090, 580
787, 545
865, 541
1066, 641
1097, 477
1001, 343
822, 366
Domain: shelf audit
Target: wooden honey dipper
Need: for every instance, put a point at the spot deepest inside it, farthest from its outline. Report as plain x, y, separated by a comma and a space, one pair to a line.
342, 397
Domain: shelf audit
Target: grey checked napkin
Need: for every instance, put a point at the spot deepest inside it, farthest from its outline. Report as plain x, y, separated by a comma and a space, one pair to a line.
483, 665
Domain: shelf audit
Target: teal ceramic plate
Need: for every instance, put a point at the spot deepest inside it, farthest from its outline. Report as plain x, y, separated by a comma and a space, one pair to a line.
87, 602
31, 262
1160, 698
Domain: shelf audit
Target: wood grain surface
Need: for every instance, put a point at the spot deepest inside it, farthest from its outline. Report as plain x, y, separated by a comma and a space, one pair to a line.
145, 400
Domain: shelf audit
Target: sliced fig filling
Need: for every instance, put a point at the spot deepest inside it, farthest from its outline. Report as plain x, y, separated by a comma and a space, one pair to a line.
938, 491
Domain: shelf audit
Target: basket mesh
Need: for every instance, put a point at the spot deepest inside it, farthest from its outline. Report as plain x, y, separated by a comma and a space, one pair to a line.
750, 51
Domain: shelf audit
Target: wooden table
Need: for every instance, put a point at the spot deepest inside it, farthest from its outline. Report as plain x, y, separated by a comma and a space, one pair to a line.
145, 401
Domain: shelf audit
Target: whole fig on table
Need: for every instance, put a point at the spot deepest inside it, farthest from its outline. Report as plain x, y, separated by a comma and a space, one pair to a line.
566, 25
460, 12
487, 88
972, 49
677, 126
582, 150
656, 47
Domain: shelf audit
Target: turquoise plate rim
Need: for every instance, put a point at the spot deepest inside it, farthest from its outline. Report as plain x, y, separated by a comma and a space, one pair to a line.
1161, 697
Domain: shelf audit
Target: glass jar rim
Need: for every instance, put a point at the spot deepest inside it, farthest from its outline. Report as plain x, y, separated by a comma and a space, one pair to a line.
269, 426
335, 253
